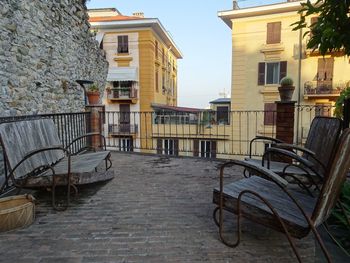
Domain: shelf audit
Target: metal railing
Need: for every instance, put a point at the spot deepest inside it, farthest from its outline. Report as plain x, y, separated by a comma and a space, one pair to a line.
122, 93
323, 88
202, 133
115, 129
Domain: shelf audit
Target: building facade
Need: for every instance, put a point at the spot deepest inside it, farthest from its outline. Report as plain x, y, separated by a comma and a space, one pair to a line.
142, 60
265, 49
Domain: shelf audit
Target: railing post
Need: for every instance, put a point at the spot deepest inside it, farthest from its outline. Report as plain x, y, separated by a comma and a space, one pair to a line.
95, 122
346, 113
285, 121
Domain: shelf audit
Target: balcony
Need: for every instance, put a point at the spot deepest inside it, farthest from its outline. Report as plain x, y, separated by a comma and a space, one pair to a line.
123, 95
122, 129
323, 89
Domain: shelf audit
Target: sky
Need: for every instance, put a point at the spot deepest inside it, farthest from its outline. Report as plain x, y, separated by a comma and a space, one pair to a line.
203, 38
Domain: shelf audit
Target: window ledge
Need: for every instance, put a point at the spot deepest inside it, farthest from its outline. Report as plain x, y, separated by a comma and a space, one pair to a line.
273, 88
279, 47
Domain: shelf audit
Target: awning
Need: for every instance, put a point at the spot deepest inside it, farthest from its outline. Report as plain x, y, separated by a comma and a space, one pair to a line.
99, 37
122, 74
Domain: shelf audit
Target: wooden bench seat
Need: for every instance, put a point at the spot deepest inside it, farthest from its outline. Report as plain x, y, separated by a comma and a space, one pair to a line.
36, 158
274, 204
255, 210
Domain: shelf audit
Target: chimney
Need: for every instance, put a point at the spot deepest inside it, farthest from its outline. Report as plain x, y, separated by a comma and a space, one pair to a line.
139, 14
235, 5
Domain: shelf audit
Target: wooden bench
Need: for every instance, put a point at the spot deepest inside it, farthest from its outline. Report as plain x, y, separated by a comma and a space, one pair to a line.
318, 151
273, 204
36, 158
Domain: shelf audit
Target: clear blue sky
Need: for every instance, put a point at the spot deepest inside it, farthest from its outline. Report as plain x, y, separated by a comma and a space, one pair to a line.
203, 38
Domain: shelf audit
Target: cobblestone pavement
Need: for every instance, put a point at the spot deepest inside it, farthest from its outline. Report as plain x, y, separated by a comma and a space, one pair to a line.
156, 210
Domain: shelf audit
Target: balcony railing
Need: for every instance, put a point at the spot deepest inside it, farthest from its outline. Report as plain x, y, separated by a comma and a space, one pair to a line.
122, 93
117, 129
315, 88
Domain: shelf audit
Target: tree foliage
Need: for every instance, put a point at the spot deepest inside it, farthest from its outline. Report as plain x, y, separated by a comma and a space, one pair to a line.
331, 32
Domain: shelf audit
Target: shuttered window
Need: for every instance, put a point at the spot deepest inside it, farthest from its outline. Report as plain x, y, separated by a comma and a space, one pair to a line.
261, 74
156, 49
325, 75
312, 25
157, 81
271, 72
273, 33
123, 44
270, 113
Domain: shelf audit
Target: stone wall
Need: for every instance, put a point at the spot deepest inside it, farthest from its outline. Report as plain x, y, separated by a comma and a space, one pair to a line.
44, 47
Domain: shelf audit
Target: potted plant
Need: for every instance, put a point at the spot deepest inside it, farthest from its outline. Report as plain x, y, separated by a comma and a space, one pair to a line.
93, 94
286, 89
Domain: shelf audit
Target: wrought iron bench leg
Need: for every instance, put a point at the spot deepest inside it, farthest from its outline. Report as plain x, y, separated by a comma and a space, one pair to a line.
239, 214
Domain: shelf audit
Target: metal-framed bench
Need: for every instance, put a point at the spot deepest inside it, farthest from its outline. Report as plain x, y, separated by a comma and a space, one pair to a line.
315, 156
273, 204
36, 158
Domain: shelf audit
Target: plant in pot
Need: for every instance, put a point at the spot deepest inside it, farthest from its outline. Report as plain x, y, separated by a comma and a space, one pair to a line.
286, 89
93, 94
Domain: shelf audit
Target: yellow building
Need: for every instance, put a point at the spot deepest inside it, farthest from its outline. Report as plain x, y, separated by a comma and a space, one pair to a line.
142, 60
265, 48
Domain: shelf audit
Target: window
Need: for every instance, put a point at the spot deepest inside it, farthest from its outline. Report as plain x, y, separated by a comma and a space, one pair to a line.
157, 81
313, 22
163, 56
204, 148
123, 44
168, 146
156, 49
270, 73
270, 114
273, 33
163, 84
207, 149
122, 89
125, 145
222, 115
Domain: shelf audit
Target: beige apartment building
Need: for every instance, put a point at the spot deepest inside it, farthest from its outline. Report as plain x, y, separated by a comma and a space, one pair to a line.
142, 71
265, 49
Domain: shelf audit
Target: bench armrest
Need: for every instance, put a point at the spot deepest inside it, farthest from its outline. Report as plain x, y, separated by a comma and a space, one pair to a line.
293, 156
262, 138
34, 152
260, 170
86, 136
295, 147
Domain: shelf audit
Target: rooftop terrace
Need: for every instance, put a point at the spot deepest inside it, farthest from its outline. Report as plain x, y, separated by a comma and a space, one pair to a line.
157, 209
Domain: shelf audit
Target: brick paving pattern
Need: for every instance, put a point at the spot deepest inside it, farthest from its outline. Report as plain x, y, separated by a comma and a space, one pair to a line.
157, 209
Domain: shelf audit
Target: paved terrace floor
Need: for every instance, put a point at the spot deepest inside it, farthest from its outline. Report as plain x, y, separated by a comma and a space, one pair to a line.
156, 210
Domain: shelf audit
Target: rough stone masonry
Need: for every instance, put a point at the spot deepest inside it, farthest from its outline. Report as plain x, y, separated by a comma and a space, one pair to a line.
44, 47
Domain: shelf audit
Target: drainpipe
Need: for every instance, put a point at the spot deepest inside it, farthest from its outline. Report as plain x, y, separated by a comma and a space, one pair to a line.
299, 80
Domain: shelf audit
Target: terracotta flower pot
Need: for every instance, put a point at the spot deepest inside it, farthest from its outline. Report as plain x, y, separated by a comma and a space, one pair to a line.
286, 92
93, 97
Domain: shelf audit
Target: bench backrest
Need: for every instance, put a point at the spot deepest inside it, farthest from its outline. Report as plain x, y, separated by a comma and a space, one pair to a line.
322, 138
334, 180
21, 137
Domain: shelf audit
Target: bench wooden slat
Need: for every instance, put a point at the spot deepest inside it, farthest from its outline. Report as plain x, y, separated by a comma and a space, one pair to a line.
20, 138
256, 210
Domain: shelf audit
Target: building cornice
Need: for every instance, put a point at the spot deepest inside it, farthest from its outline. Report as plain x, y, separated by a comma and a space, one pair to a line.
152, 23
229, 15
